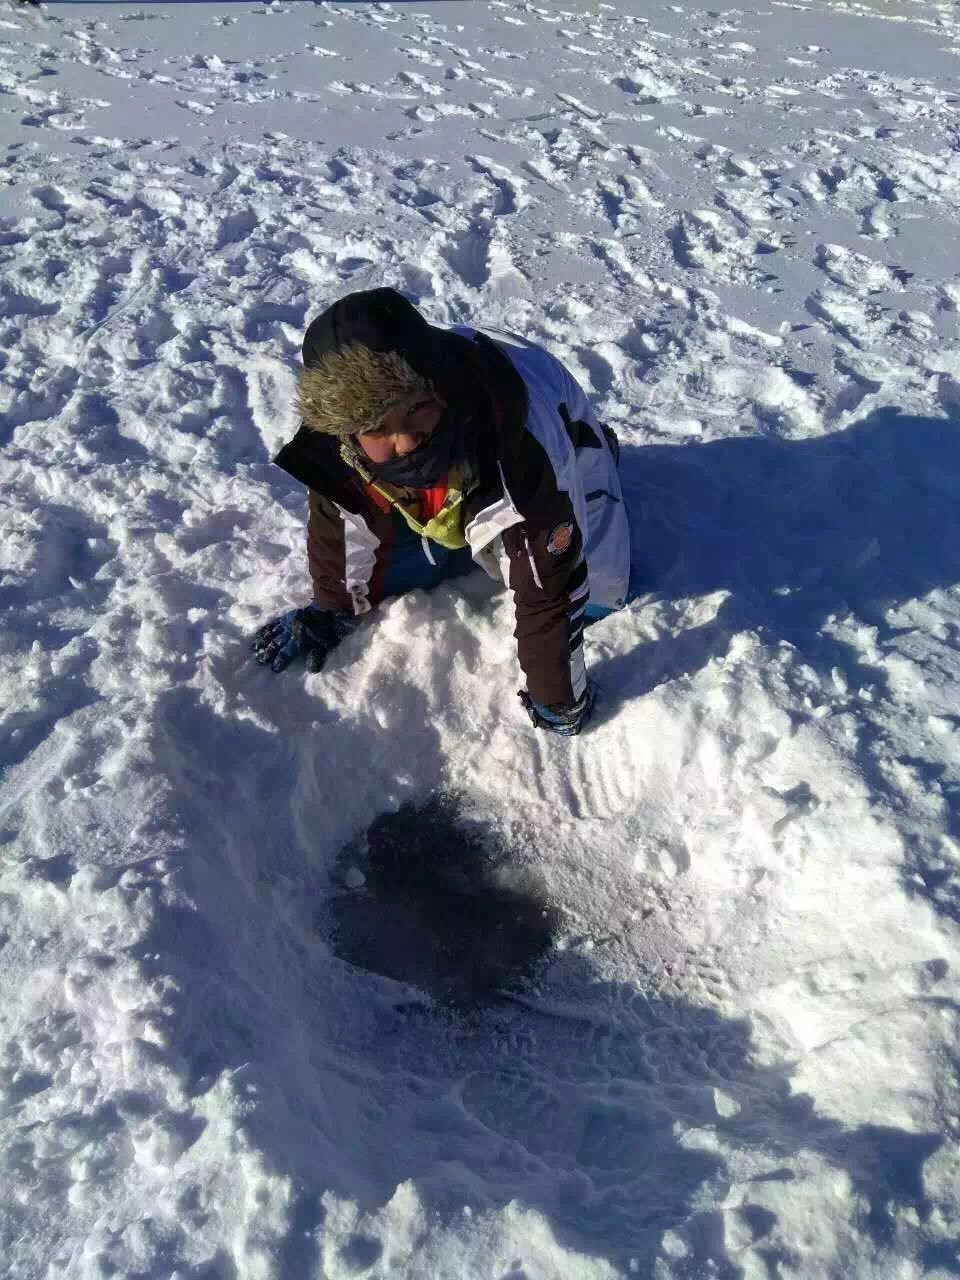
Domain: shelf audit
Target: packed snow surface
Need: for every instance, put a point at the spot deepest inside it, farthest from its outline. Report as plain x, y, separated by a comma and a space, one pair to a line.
233, 1041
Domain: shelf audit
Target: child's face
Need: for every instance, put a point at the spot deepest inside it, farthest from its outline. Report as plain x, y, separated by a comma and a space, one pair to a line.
401, 431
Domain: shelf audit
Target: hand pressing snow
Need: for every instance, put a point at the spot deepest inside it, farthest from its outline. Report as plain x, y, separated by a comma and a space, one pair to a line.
311, 633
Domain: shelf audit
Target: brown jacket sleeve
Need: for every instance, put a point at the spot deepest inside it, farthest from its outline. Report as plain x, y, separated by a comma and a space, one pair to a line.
326, 553
548, 578
549, 612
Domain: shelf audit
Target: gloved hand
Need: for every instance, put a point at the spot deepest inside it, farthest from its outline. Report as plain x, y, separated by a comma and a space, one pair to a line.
565, 719
310, 633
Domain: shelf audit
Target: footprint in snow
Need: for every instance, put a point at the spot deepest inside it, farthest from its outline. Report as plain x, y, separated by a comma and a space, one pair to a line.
704, 240
857, 272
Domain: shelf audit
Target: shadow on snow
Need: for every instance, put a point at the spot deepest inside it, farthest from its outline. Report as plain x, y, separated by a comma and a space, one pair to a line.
862, 520
797, 532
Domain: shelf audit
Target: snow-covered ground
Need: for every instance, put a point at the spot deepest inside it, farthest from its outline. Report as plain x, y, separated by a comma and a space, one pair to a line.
739, 227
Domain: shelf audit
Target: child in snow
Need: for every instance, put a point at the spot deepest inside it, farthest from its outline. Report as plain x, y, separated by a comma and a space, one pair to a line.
427, 451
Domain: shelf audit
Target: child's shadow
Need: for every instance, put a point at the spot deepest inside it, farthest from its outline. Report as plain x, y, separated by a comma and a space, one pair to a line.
855, 522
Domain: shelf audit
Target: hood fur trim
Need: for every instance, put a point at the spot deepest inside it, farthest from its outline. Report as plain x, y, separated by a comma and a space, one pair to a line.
350, 390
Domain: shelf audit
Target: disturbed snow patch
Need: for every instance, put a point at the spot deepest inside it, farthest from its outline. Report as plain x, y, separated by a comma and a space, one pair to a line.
430, 900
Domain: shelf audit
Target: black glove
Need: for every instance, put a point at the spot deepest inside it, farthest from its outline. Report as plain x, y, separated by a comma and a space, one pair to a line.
310, 633
565, 719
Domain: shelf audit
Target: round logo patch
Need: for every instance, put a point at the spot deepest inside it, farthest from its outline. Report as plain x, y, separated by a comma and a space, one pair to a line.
558, 544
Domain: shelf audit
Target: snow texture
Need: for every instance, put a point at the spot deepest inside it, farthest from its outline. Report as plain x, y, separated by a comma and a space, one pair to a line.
675, 999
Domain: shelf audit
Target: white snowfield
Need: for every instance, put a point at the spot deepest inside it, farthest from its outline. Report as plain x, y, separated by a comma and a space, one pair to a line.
739, 228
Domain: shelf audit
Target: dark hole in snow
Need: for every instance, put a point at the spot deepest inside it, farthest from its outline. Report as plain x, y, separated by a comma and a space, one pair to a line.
443, 906
360, 1253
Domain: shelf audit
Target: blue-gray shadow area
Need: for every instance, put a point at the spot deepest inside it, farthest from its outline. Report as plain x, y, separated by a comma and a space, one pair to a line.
800, 532
580, 1116
861, 520
942, 1256
629, 1073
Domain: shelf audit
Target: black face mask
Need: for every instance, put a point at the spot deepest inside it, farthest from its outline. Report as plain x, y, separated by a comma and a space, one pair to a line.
426, 465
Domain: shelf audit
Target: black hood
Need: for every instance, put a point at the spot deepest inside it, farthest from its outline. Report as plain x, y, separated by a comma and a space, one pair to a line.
384, 320
378, 319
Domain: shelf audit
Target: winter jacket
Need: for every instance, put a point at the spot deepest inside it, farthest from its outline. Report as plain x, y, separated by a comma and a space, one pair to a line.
545, 514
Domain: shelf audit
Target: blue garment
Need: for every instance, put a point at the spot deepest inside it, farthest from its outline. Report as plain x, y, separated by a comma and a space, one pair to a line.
409, 564
594, 612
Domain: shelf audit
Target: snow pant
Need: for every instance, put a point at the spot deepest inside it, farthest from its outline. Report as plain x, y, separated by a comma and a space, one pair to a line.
416, 562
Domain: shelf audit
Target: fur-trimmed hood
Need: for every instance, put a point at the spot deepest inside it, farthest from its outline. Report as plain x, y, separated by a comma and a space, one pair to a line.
470, 373
350, 390
365, 354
